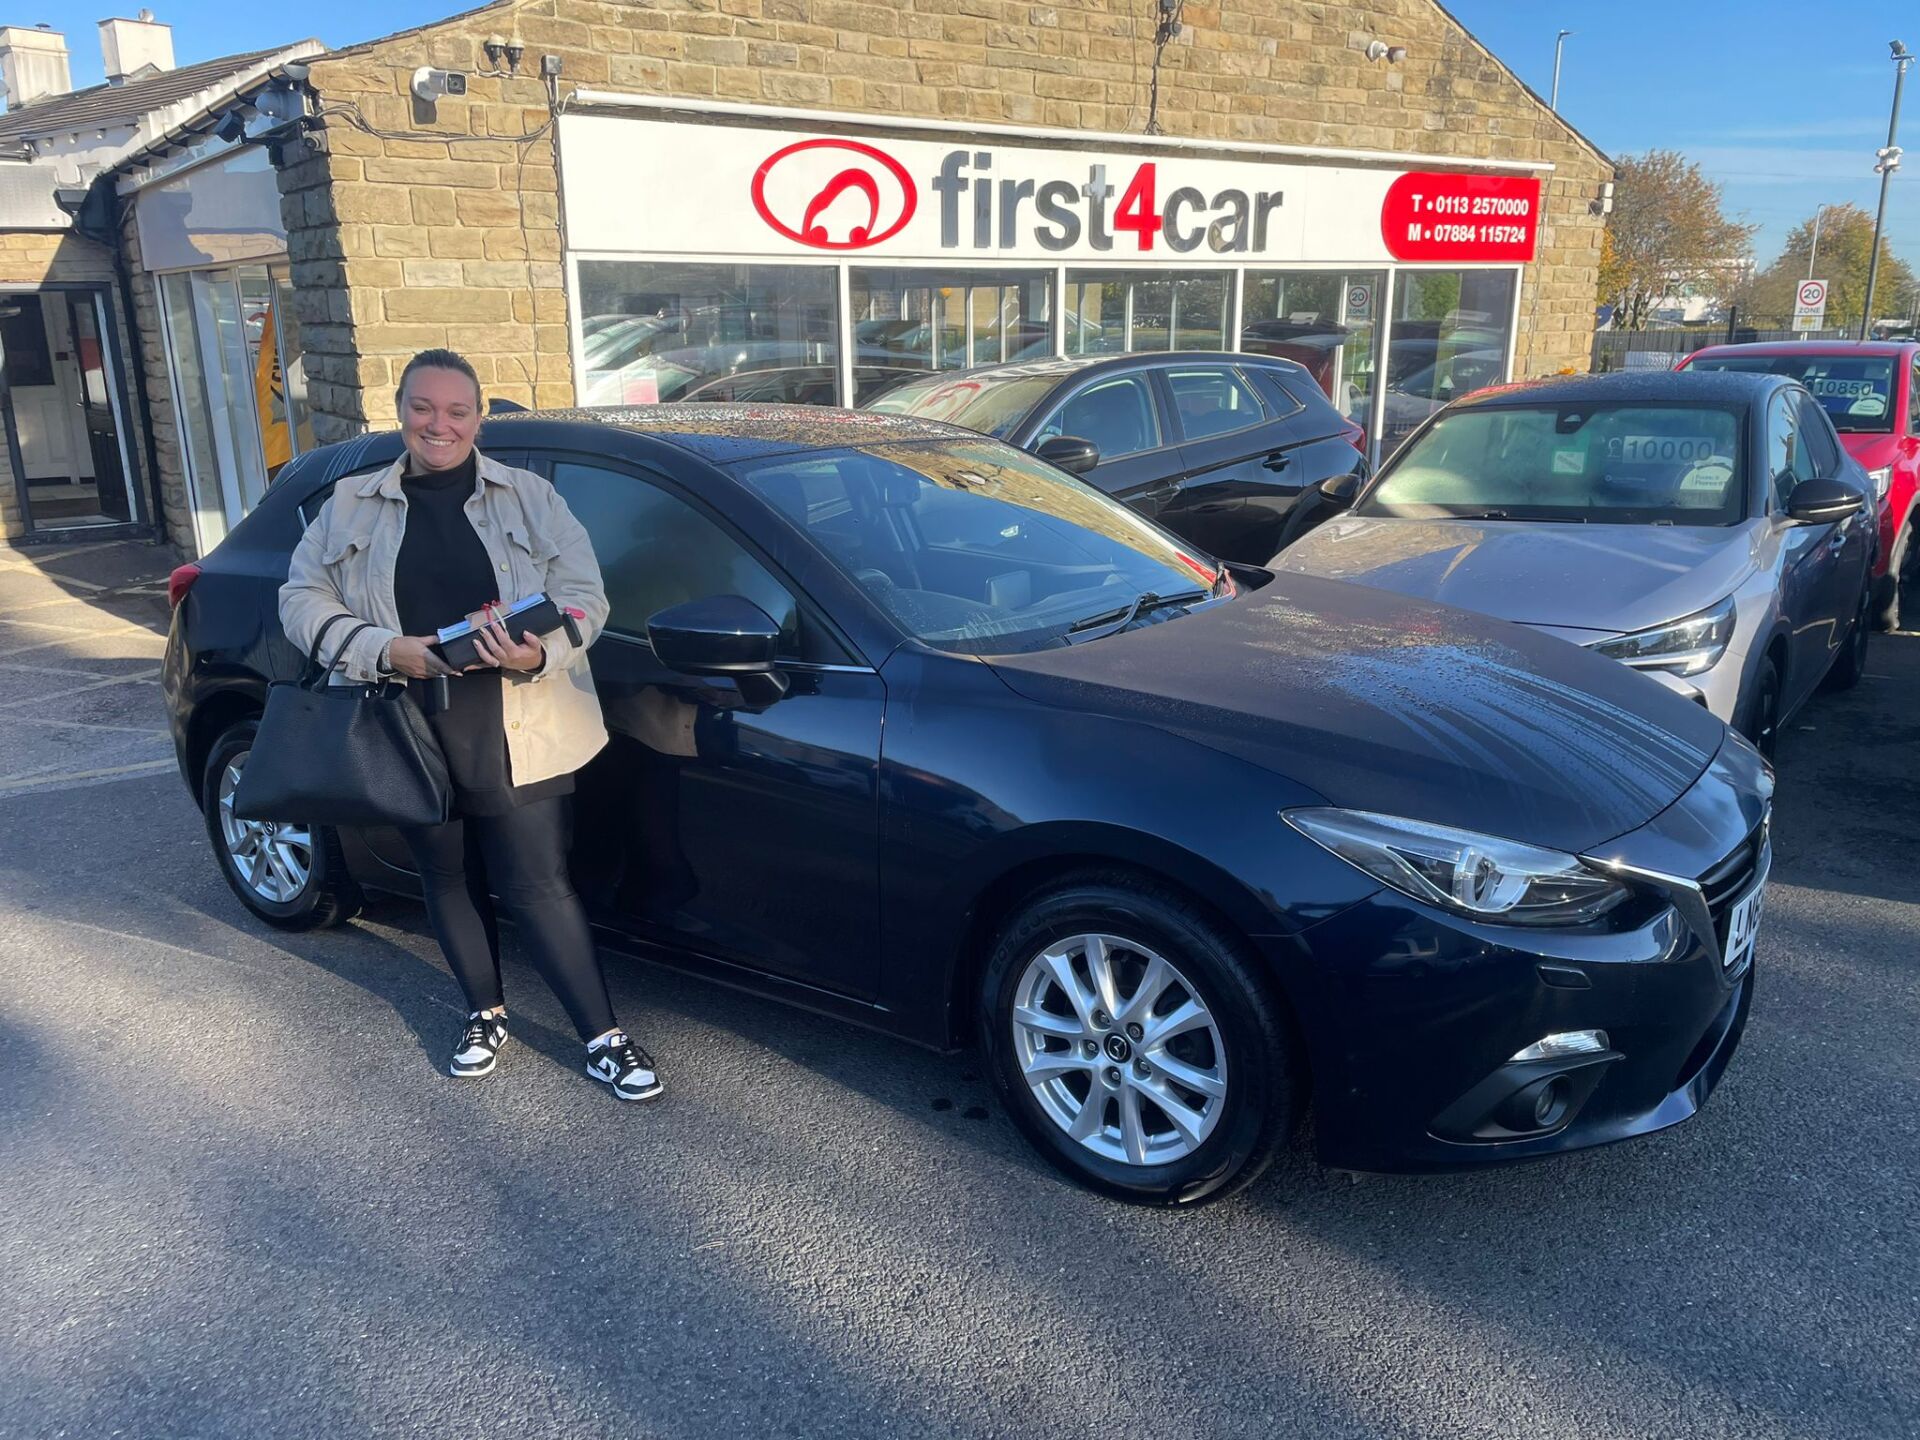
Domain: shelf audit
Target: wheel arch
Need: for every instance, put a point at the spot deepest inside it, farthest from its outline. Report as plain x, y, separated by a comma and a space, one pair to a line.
213, 716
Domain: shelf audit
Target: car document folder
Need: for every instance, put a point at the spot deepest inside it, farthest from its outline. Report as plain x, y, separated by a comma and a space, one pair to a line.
532, 615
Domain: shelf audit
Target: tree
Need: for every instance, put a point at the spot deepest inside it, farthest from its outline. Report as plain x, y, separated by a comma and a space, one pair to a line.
1846, 243
1666, 231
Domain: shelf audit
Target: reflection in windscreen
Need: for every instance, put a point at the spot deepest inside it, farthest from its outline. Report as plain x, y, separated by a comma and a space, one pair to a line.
976, 547
993, 407
1608, 464
1855, 391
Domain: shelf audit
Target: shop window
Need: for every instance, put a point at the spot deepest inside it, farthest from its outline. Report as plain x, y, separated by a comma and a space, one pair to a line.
907, 321
1324, 320
652, 332
1112, 312
1448, 339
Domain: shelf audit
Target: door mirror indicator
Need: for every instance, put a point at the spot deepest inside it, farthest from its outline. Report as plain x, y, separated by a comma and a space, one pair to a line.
1070, 453
1823, 501
726, 636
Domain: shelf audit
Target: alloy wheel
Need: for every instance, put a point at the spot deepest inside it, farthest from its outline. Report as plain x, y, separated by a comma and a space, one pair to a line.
274, 858
1119, 1049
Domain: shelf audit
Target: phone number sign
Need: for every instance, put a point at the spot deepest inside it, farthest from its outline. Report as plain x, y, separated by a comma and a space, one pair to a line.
1466, 218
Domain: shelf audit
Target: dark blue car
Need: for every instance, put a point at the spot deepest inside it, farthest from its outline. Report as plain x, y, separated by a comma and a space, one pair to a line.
913, 729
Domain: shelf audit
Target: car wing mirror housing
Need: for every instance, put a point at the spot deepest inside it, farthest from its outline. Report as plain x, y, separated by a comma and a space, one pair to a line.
1340, 490
1823, 501
1070, 453
724, 636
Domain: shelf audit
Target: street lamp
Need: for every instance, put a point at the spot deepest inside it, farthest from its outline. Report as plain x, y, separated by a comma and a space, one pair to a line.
1889, 161
1559, 44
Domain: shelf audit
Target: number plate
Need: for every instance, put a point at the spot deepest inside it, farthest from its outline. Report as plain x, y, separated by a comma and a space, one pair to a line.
1743, 928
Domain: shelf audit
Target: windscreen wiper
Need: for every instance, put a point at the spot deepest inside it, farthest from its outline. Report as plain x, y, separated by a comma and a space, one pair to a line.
1111, 621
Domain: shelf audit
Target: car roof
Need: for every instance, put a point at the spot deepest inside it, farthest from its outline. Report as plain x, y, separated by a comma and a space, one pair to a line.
723, 433
1712, 387
1771, 348
1060, 367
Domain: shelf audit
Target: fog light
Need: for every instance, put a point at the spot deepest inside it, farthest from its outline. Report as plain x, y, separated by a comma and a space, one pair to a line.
1550, 1105
1566, 1042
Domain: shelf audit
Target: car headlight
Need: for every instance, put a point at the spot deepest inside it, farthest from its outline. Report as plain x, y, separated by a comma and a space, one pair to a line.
1882, 481
1471, 874
1685, 647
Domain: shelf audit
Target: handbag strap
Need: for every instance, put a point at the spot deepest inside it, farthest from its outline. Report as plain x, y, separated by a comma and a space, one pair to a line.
313, 655
315, 674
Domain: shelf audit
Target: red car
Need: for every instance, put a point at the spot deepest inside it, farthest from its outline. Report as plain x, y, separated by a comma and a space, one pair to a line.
1871, 392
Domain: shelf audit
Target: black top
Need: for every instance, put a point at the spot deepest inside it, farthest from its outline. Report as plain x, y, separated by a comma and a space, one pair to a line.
443, 574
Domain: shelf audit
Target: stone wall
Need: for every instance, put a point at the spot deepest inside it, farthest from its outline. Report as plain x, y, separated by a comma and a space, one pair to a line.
29, 259
446, 231
176, 498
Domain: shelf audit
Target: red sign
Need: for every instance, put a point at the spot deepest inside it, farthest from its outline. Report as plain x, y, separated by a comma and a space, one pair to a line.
842, 185
1464, 218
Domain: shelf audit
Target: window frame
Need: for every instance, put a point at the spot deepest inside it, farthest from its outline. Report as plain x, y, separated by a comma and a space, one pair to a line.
1815, 420
816, 622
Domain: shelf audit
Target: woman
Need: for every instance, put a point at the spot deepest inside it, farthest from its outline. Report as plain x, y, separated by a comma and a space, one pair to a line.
442, 533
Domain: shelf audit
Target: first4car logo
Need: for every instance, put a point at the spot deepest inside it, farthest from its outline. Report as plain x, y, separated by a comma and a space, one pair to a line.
834, 194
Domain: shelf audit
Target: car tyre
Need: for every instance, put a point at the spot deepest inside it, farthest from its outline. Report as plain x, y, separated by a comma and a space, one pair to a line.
1851, 663
1761, 722
1223, 1060
292, 876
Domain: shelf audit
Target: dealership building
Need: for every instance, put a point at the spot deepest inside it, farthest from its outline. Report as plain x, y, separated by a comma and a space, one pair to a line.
807, 200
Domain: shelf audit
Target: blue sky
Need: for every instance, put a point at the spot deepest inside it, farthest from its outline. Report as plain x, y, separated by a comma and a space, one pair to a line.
1784, 104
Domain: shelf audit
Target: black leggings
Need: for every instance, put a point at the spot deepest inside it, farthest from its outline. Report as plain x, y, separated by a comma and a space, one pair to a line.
523, 856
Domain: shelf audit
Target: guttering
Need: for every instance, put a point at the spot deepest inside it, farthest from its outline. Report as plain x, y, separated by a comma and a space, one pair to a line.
618, 100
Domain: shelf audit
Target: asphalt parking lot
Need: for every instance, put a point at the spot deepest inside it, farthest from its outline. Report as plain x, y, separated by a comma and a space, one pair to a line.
238, 1197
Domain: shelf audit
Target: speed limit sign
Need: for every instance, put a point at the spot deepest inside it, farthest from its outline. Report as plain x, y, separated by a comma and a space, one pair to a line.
1810, 305
1359, 302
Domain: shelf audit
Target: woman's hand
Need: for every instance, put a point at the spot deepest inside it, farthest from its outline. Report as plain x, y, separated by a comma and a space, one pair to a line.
499, 651
412, 656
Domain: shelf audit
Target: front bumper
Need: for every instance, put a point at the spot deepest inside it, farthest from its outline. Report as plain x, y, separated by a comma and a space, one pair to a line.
1412, 1015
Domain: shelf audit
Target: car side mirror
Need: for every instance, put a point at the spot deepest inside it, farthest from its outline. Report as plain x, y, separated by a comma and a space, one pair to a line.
725, 636
1340, 490
1070, 453
1822, 501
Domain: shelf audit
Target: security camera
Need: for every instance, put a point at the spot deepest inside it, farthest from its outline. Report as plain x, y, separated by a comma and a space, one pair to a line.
232, 128
1378, 50
430, 84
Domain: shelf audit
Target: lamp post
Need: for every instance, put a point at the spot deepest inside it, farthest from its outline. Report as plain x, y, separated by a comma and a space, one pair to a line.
1559, 44
1889, 162
1814, 253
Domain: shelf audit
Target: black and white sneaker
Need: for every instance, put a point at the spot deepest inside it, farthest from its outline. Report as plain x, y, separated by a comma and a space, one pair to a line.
624, 1066
479, 1048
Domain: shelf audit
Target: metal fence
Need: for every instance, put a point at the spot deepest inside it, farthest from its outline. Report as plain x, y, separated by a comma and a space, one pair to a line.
1664, 349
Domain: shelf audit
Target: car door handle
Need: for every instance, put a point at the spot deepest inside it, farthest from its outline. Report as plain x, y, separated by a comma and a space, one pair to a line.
1278, 460
1162, 492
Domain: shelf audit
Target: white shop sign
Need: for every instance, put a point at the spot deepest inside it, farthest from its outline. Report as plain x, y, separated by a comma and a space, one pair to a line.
663, 187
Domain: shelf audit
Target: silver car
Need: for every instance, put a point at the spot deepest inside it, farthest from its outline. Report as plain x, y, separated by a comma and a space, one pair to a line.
1707, 530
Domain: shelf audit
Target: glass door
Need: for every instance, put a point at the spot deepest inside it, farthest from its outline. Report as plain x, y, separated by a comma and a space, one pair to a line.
1326, 320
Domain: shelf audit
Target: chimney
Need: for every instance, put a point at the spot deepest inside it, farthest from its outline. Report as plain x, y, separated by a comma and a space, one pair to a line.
33, 64
129, 46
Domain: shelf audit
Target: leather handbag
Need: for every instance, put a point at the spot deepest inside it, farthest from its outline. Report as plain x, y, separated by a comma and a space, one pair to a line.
355, 755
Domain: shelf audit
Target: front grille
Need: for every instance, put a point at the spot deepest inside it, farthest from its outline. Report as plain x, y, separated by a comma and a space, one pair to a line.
1727, 881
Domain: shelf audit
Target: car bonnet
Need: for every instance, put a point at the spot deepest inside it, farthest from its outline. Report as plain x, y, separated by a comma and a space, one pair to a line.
1380, 703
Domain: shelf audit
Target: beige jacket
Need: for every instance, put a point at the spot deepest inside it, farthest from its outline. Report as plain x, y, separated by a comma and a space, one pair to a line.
344, 566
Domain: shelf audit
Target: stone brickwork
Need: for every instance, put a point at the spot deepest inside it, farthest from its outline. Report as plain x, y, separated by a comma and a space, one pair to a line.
447, 231
29, 259
176, 498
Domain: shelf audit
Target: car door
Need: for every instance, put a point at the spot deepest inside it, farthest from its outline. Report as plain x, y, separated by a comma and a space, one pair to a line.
749, 836
1234, 446
1120, 413
1853, 539
1809, 556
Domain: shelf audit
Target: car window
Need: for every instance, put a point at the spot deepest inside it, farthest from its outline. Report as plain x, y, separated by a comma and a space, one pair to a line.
1854, 390
1913, 398
656, 550
1787, 459
1212, 400
1822, 449
1116, 413
1279, 394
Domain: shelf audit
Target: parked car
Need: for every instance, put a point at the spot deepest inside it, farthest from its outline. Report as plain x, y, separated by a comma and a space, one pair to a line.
1215, 447
1869, 392
911, 728
1703, 529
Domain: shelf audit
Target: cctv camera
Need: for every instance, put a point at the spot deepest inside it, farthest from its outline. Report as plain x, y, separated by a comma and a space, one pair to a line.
430, 84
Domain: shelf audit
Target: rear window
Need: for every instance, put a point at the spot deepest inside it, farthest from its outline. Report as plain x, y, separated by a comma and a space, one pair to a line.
1856, 391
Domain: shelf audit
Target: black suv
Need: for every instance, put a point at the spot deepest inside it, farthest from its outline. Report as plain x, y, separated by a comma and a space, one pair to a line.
1217, 447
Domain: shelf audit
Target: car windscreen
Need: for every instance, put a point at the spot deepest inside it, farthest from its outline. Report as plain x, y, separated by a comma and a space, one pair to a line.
991, 406
974, 546
1856, 391
1600, 464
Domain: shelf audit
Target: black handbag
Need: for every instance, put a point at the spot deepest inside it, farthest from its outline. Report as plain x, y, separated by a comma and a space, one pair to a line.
354, 755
